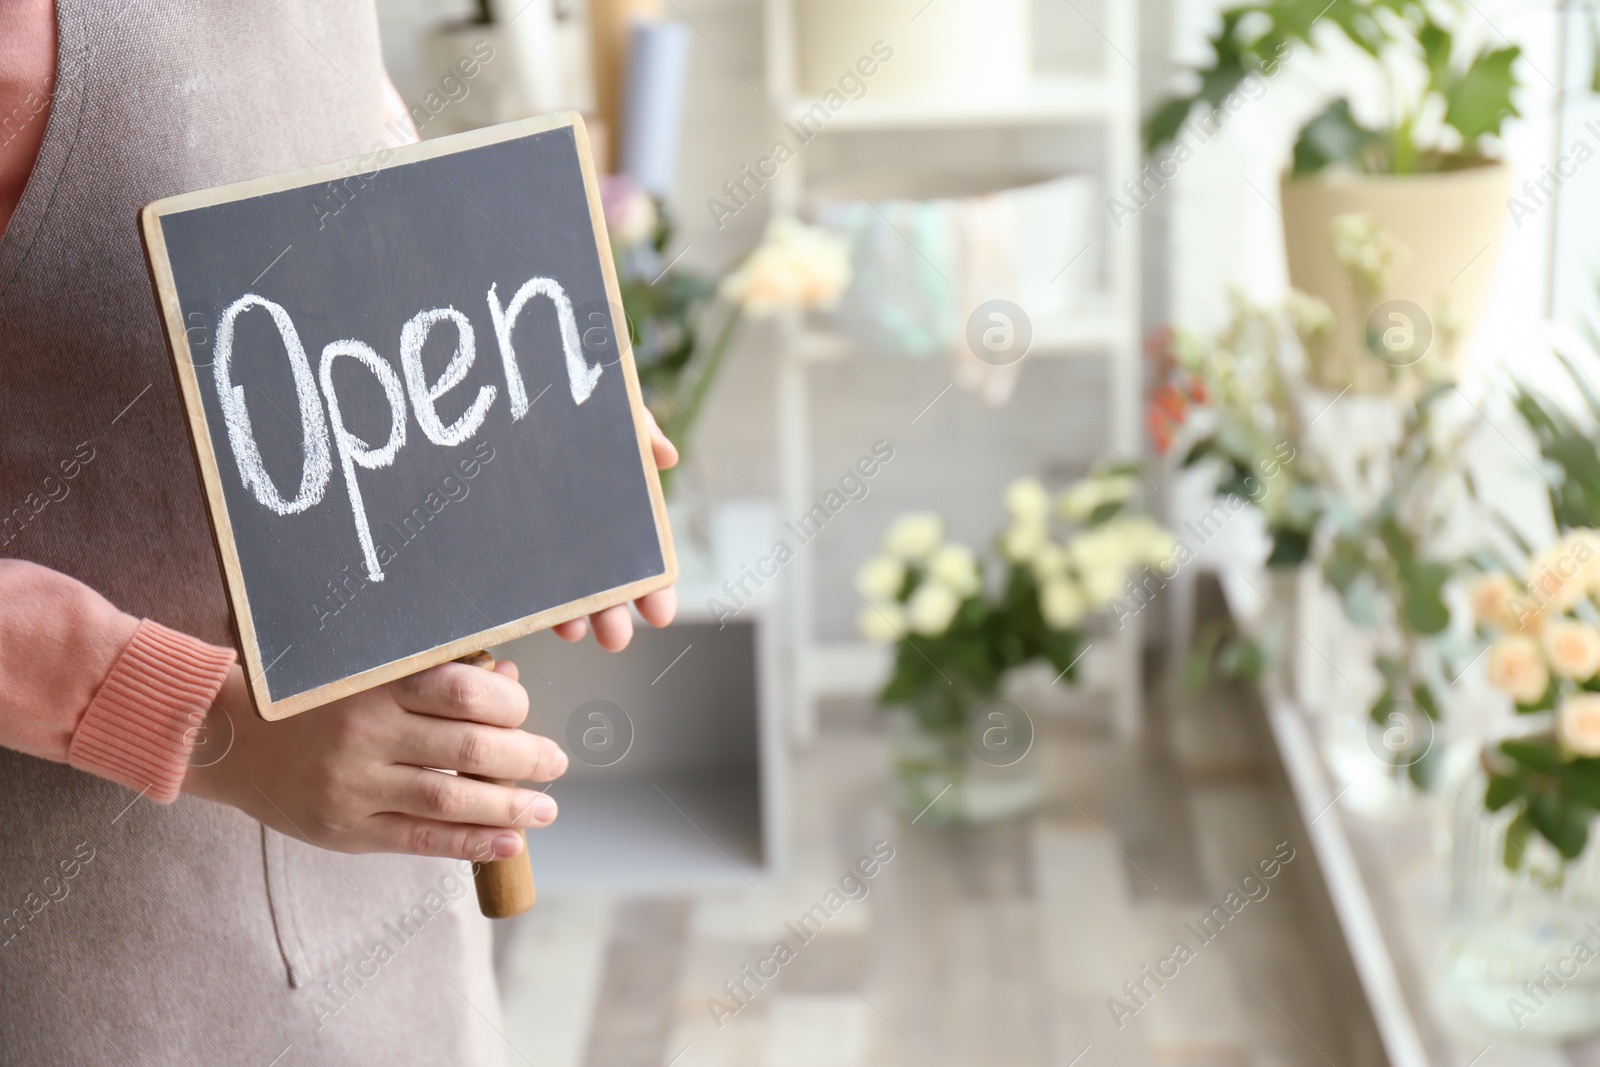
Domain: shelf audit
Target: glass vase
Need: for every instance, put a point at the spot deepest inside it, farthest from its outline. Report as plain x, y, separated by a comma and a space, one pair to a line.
983, 770
1523, 946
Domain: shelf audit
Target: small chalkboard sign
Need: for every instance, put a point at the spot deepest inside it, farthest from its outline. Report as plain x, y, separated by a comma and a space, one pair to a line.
418, 429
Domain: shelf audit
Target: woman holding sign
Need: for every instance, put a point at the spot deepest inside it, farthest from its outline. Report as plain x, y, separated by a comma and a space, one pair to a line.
158, 906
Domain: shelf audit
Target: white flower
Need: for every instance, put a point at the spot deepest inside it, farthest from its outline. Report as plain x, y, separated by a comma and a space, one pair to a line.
1515, 667
1027, 501
1051, 561
931, 608
1080, 501
957, 567
1024, 541
882, 624
1103, 586
1364, 250
1146, 540
881, 577
1062, 604
796, 267
1578, 723
913, 538
1573, 649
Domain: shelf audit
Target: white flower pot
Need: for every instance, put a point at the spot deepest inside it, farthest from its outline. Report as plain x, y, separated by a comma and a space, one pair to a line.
1447, 229
954, 48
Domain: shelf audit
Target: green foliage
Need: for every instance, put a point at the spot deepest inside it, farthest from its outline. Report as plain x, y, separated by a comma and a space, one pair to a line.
941, 677
1476, 90
665, 312
1550, 793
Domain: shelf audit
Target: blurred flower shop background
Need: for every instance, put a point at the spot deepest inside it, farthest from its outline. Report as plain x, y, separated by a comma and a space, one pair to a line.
1139, 524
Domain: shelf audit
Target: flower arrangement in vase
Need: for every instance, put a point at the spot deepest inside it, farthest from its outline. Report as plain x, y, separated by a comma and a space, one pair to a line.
960, 629
796, 268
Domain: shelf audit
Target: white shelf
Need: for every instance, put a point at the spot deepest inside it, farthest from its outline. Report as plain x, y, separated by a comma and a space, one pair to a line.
1046, 102
1065, 334
1109, 103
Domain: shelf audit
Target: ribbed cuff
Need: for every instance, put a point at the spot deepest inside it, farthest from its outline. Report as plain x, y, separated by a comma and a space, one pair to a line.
142, 722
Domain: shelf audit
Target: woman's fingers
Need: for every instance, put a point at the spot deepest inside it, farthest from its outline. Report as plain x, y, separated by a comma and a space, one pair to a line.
572, 630
460, 691
451, 798
659, 607
665, 452
393, 832
613, 628
490, 751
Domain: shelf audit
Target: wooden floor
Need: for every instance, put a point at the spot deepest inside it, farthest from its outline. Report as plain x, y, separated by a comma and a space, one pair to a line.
999, 946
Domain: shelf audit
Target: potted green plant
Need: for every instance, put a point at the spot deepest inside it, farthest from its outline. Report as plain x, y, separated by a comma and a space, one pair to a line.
960, 631
1394, 220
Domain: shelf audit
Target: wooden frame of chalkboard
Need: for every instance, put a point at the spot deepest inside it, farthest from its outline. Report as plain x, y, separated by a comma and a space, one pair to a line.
201, 437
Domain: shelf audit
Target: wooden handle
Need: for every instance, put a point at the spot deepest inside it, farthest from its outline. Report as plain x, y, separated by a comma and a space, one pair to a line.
505, 887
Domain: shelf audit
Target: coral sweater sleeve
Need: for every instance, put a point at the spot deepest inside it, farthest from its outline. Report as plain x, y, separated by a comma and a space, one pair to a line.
84, 683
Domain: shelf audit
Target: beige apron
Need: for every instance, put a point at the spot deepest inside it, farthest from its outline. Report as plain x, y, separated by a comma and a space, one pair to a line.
132, 933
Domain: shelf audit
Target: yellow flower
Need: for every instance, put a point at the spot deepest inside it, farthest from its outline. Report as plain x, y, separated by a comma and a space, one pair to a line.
1517, 668
1079, 502
1573, 649
1578, 723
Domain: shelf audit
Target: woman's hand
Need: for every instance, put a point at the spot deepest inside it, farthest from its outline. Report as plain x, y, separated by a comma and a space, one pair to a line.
613, 627
367, 773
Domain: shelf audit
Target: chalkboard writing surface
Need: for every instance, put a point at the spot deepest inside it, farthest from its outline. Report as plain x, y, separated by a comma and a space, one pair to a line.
418, 431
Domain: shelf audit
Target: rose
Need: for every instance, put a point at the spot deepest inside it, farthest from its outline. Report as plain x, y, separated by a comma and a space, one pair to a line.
629, 211
913, 538
1573, 649
1494, 599
1578, 723
931, 608
1080, 501
1558, 577
1049, 562
796, 268
881, 577
1024, 541
1516, 668
1062, 604
882, 624
956, 566
1027, 501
